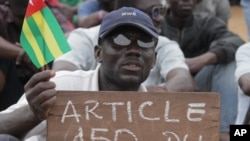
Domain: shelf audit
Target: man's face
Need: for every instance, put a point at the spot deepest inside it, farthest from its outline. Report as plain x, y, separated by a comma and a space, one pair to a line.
182, 8
156, 9
127, 55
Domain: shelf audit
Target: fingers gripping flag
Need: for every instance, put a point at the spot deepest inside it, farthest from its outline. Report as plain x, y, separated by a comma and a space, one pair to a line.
42, 37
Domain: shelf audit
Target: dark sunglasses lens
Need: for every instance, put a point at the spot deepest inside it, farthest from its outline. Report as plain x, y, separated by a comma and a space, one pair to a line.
156, 12
121, 40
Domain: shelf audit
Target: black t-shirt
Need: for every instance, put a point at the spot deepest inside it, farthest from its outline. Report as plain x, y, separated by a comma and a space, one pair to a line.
13, 88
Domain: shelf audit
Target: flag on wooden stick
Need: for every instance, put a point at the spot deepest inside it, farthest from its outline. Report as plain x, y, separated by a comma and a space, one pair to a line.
42, 37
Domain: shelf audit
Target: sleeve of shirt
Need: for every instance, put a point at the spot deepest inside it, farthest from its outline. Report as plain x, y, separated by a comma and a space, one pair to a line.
88, 7
21, 102
169, 56
82, 42
224, 43
242, 61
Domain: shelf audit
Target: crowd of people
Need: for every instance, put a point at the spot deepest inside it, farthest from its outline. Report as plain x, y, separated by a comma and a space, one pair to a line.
173, 46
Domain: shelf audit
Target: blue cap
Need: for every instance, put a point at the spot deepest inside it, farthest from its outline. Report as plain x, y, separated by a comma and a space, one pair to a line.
127, 16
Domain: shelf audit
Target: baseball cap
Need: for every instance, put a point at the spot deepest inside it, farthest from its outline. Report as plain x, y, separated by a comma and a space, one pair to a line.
127, 16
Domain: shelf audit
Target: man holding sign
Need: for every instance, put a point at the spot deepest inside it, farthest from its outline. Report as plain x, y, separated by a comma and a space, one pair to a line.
126, 51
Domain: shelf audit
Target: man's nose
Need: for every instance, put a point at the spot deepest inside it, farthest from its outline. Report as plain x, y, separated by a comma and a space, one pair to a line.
134, 49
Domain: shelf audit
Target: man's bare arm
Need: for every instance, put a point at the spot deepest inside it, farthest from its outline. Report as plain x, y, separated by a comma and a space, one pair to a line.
8, 50
244, 83
180, 80
18, 122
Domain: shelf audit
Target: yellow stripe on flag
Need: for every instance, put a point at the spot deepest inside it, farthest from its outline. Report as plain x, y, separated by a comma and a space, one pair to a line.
32, 41
47, 34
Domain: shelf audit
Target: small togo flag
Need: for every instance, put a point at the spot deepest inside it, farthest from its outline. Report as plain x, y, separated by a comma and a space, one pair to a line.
42, 37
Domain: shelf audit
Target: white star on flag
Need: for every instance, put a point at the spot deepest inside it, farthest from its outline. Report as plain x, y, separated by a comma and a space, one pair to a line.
31, 2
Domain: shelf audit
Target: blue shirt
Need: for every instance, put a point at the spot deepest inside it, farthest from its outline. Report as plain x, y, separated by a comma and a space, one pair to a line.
88, 7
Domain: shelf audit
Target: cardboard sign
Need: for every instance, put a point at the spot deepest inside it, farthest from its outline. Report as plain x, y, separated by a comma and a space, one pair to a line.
134, 116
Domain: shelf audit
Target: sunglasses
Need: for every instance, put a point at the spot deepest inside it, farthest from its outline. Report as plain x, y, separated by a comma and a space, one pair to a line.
156, 11
121, 40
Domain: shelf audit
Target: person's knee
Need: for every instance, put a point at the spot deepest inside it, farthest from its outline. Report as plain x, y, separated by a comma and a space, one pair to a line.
5, 137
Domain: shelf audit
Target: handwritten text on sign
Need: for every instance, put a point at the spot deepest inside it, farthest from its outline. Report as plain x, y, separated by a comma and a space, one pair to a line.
134, 116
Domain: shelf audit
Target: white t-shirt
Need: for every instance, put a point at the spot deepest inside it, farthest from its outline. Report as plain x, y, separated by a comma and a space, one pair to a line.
243, 66
65, 80
83, 40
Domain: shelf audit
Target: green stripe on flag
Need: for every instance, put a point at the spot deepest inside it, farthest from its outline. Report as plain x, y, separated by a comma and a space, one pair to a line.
30, 51
41, 29
48, 34
31, 46
56, 30
42, 37
36, 27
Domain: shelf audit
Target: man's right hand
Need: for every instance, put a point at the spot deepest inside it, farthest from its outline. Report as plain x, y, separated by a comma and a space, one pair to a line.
40, 93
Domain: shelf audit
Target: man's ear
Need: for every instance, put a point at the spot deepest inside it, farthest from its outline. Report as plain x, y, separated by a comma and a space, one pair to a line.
98, 53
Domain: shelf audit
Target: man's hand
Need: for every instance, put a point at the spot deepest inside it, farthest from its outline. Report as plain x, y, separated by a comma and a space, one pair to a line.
195, 64
40, 93
23, 58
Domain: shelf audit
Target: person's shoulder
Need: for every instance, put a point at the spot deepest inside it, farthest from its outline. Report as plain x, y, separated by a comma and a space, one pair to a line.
202, 16
163, 40
90, 29
86, 31
218, 2
85, 34
207, 19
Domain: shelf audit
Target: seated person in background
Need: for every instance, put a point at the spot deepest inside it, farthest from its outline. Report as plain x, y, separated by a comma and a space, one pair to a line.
217, 8
242, 75
61, 17
126, 52
209, 48
69, 8
15, 66
91, 12
170, 64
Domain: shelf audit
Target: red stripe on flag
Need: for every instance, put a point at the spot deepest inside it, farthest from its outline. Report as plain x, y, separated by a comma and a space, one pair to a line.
34, 6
